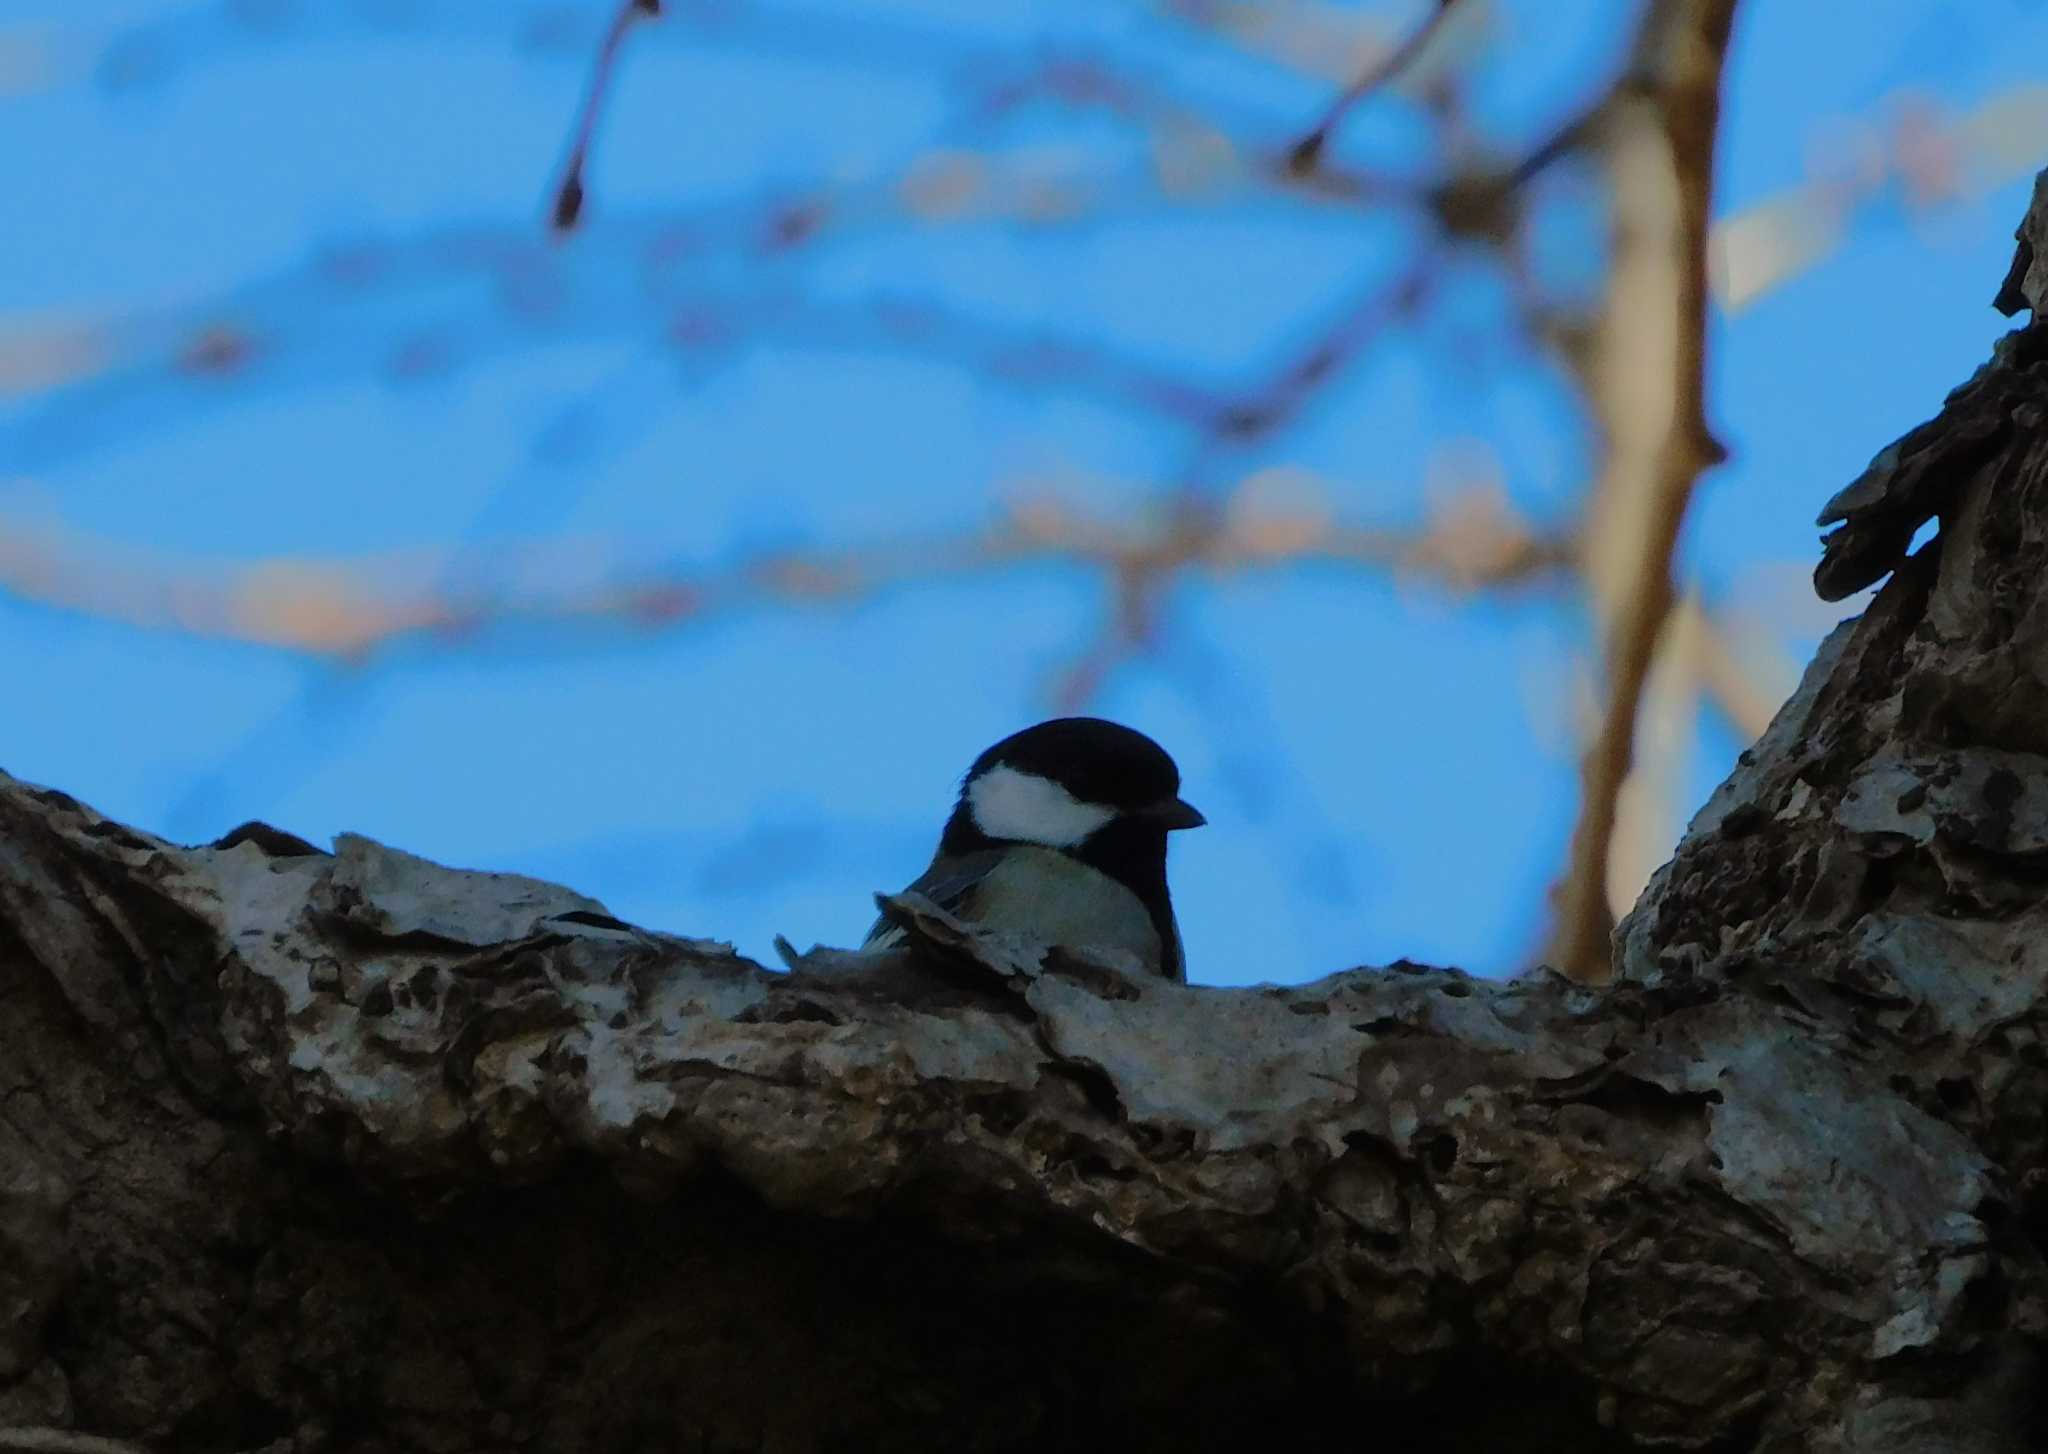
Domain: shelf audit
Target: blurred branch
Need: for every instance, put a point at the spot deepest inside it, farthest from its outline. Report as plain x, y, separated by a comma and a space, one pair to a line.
1472, 542
1702, 654
1745, 674
1647, 805
1919, 158
1643, 374
1307, 152
1329, 41
626, 278
350, 609
1258, 412
569, 192
243, 353
34, 57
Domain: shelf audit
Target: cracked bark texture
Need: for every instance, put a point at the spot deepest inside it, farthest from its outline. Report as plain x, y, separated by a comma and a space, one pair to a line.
355, 1152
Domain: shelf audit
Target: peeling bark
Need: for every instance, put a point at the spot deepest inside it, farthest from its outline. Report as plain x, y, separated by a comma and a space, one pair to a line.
352, 1151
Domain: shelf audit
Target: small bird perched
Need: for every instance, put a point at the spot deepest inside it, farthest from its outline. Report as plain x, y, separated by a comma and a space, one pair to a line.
1059, 836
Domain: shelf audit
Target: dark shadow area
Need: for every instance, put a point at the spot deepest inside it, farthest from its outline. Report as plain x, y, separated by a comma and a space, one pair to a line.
572, 1317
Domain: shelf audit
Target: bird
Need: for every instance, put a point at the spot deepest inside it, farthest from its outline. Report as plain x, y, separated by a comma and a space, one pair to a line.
1059, 836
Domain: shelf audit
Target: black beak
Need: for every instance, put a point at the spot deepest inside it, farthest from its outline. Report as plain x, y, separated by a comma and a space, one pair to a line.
1174, 813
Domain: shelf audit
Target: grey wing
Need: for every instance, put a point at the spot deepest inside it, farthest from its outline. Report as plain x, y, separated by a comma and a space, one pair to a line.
948, 882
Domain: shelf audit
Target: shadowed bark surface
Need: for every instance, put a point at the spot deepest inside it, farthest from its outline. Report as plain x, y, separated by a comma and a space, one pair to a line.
351, 1151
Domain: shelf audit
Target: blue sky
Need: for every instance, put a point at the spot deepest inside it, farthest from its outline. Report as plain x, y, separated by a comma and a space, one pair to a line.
1386, 769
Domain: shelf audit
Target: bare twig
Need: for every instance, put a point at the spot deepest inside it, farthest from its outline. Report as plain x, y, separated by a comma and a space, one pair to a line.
1308, 152
1571, 135
1277, 400
1644, 376
569, 192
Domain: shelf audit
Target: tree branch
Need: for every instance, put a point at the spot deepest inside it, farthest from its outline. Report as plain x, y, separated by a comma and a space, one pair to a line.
567, 208
1307, 153
1678, 1206
1644, 376
351, 609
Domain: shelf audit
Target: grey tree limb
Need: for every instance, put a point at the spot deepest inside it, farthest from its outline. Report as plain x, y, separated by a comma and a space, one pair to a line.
298, 1100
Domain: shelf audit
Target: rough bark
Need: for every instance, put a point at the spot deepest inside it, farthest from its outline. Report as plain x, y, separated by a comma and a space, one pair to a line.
356, 1152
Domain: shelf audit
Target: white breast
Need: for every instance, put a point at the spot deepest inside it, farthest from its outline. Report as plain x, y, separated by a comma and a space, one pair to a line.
1047, 897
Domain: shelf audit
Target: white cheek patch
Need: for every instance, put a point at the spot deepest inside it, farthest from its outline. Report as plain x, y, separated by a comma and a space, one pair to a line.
1027, 808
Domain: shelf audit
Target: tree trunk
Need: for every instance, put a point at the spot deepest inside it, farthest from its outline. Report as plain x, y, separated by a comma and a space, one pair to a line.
353, 1152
